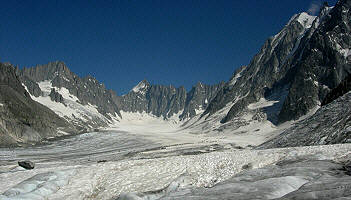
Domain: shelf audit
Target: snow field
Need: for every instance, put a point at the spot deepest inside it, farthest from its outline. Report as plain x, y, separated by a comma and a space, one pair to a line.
108, 180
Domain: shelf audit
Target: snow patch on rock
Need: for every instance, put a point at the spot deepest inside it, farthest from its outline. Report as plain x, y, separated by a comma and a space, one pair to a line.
305, 19
71, 109
140, 87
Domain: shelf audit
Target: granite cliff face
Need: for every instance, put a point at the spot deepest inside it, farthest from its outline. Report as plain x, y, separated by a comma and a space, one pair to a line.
161, 101
331, 124
296, 68
322, 61
198, 98
168, 101
83, 101
266, 73
340, 90
87, 103
23, 120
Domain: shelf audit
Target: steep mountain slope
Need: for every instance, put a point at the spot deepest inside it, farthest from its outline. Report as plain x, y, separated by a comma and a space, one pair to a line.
83, 101
321, 62
168, 101
23, 120
198, 99
158, 100
331, 124
294, 70
88, 104
340, 90
248, 84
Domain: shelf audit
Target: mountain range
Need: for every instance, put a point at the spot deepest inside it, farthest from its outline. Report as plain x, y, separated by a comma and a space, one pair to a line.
303, 67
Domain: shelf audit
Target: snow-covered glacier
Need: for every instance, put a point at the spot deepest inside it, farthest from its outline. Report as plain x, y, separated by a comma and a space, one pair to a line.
148, 159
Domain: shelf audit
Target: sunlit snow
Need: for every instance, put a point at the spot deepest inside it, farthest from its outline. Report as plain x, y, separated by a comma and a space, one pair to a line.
71, 108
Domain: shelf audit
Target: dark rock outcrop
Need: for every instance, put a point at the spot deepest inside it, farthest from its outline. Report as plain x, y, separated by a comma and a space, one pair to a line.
198, 99
88, 90
26, 164
298, 66
341, 89
158, 100
331, 124
166, 101
32, 87
23, 120
321, 61
266, 72
55, 96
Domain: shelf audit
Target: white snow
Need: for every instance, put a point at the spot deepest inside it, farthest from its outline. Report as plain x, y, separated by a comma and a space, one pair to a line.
284, 185
242, 130
71, 109
236, 77
154, 128
107, 180
68, 170
305, 19
45, 86
261, 104
1, 104
39, 186
316, 83
199, 111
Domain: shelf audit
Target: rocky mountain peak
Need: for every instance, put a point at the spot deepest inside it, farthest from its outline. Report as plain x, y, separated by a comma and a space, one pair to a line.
63, 86
321, 62
142, 87
199, 84
22, 119
303, 18
296, 67
50, 71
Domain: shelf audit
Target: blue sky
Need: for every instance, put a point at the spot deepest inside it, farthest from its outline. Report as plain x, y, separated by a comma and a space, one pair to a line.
122, 42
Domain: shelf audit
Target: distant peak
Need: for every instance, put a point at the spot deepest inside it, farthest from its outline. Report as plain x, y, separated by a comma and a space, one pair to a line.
199, 84
303, 18
142, 85
90, 78
56, 63
56, 66
145, 82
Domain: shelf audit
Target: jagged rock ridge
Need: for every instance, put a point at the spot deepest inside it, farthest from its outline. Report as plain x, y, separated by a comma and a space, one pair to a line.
166, 101
23, 120
331, 124
297, 67
100, 104
76, 98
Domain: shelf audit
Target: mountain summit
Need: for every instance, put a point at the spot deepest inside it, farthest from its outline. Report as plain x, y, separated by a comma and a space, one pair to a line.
296, 68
